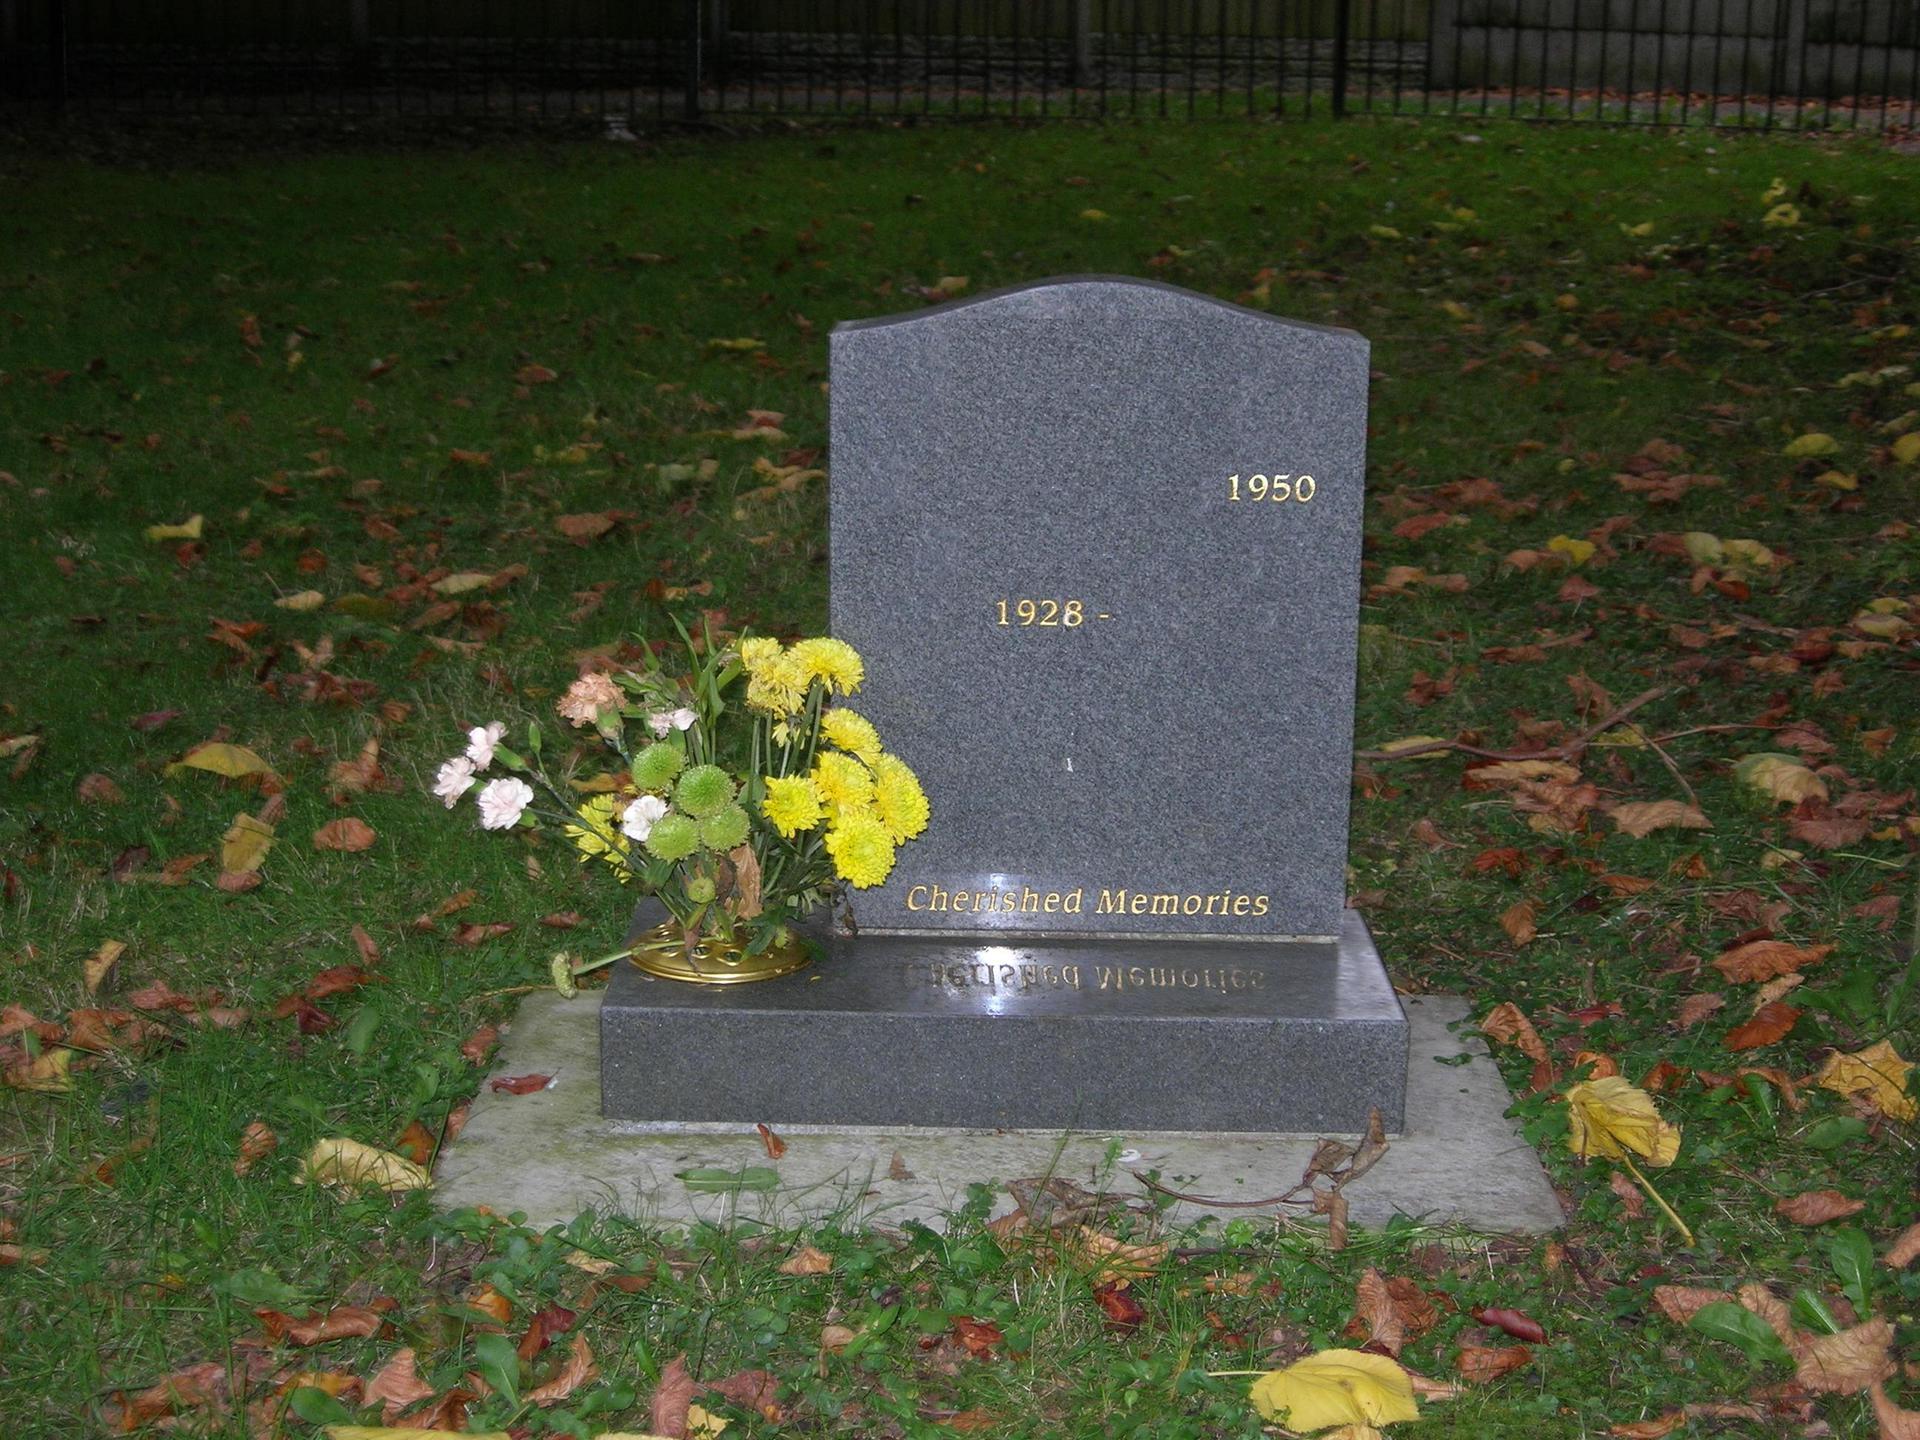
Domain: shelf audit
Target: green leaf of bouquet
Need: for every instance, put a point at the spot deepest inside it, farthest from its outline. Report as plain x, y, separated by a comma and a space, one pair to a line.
1740, 1328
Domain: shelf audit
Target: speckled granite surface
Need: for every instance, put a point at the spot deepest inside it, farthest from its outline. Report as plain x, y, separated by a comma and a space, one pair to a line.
1178, 761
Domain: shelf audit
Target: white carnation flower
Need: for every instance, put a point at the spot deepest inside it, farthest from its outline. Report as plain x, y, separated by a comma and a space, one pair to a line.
453, 780
480, 742
502, 802
638, 822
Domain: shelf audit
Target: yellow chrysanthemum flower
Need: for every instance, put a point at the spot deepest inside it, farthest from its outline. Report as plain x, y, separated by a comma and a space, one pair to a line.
844, 783
852, 732
861, 852
835, 662
778, 687
598, 836
758, 652
792, 804
898, 799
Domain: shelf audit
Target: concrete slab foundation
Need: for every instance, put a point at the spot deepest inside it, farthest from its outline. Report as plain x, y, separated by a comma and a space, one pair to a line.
550, 1154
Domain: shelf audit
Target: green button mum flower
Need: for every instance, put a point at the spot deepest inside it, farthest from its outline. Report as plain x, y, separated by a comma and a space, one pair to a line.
704, 790
725, 830
673, 837
654, 767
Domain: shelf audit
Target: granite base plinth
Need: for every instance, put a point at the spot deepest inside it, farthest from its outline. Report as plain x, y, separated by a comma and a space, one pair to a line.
1225, 1036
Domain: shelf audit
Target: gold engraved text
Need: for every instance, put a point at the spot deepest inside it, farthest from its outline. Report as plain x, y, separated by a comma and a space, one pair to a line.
1277, 488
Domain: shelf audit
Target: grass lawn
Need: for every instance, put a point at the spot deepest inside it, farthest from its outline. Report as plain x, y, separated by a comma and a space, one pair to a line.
1597, 353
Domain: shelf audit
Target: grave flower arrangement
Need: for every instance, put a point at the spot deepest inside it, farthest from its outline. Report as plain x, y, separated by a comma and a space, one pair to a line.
741, 793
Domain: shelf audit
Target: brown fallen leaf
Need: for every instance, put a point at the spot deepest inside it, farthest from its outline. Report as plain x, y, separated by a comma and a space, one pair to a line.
1654, 1429
775, 1146
1483, 1364
807, 1260
579, 1369
256, 1143
835, 1338
1679, 1303
1122, 1307
1816, 1207
1640, 818
1696, 1008
667, 1410
478, 1046
582, 530
339, 1323
1842, 1364
1374, 1309
979, 1337
1905, 1248
397, 1384
98, 789
1519, 921
1506, 1022
349, 835
1105, 1258
1895, 1423
1769, 1024
519, 1084
1764, 959
415, 1143
198, 1387
477, 933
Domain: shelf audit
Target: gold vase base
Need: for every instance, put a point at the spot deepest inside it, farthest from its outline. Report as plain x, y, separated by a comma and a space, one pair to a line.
662, 953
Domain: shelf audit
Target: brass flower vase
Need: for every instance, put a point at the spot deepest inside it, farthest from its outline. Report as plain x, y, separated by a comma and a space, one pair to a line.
663, 953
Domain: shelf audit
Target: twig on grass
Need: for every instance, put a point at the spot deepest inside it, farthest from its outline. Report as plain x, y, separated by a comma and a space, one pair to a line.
1558, 752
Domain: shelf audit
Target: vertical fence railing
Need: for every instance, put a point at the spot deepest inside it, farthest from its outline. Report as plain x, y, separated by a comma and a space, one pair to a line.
1753, 63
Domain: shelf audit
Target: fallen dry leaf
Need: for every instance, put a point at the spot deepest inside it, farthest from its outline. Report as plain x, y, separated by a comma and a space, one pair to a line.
1895, 1423
807, 1260
1764, 959
235, 762
1121, 1306
1842, 1364
1769, 1024
1816, 1207
95, 968
1610, 1117
397, 1384
1482, 1364
256, 1143
1905, 1248
1518, 920
348, 1164
1374, 1309
1640, 818
339, 1323
1518, 1324
1696, 1008
348, 835
243, 849
479, 1045
1876, 1074
519, 1084
578, 1370
776, 1147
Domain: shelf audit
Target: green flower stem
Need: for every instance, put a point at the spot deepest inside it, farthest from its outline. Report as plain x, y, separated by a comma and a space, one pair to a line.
1686, 1235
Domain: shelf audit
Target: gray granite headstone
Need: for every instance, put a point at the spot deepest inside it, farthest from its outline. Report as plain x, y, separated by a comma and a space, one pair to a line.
1099, 542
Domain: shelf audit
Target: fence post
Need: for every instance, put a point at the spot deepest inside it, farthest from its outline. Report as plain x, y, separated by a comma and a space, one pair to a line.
1342, 37
57, 52
695, 20
1082, 40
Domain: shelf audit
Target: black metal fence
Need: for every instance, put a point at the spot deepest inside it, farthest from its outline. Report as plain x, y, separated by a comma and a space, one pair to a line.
623, 63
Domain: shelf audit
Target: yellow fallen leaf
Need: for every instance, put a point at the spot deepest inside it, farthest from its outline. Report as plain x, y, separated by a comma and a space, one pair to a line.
1610, 1117
243, 849
745, 342
1907, 448
1578, 552
1837, 480
1744, 553
221, 758
408, 1432
1094, 215
1384, 232
1773, 859
1814, 443
1780, 776
1640, 231
1509, 772
1642, 817
461, 581
1782, 217
1335, 1387
1878, 1073
188, 529
703, 1424
949, 285
1703, 548
348, 1164
1882, 627
93, 970
301, 600
1455, 310
46, 1072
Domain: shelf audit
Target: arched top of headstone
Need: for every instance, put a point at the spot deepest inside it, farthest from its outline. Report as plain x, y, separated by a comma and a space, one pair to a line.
1114, 299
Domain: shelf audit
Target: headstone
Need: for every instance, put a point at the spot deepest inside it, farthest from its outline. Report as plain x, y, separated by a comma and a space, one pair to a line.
1099, 542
